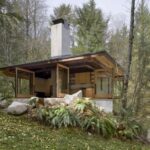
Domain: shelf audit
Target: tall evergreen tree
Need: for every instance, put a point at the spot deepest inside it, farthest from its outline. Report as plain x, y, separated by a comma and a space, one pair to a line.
118, 45
9, 22
36, 44
91, 28
8, 18
63, 11
140, 66
129, 59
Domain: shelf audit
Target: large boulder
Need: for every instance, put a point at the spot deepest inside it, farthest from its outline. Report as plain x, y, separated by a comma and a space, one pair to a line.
30, 101
17, 108
68, 99
53, 101
22, 100
78, 94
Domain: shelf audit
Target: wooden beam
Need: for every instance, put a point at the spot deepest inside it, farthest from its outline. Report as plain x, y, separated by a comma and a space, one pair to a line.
104, 96
81, 66
106, 63
24, 70
72, 59
62, 66
43, 70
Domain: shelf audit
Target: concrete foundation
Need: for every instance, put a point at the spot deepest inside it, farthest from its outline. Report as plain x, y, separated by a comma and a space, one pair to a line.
107, 104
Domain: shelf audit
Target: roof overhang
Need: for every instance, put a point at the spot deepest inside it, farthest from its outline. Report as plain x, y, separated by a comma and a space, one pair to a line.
85, 62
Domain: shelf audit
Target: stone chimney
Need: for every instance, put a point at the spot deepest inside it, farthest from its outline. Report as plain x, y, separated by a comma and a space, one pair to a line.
60, 38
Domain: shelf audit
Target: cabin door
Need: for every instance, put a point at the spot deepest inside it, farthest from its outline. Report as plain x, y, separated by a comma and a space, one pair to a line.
62, 80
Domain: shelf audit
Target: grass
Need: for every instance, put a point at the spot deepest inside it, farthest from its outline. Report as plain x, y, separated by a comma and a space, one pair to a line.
20, 133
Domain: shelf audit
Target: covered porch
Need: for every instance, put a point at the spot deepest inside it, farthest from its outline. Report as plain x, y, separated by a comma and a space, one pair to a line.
93, 73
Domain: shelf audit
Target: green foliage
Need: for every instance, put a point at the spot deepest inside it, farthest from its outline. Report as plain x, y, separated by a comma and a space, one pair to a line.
102, 125
82, 105
130, 127
58, 117
118, 45
141, 58
63, 11
94, 120
8, 18
85, 115
82, 114
130, 130
91, 28
17, 133
6, 87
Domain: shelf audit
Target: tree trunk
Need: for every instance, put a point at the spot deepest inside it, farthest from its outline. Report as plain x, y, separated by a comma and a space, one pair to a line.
127, 74
27, 18
141, 61
35, 19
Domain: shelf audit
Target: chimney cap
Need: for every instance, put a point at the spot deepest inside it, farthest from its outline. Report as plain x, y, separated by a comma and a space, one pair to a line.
59, 20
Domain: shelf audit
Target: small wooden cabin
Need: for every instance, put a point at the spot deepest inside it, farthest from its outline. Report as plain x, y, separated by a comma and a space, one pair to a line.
93, 73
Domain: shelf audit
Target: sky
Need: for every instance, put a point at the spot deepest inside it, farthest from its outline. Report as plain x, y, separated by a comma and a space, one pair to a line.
117, 10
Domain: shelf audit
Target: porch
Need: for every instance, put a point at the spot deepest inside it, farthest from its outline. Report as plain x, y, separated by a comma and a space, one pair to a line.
94, 74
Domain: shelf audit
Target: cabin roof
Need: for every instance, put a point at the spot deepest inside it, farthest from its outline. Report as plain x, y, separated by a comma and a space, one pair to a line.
95, 60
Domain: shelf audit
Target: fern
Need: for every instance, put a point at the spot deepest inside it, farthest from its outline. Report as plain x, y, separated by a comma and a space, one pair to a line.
58, 117
88, 117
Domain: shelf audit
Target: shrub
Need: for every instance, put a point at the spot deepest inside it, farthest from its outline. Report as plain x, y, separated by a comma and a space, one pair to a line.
129, 129
100, 125
82, 105
94, 120
84, 114
58, 117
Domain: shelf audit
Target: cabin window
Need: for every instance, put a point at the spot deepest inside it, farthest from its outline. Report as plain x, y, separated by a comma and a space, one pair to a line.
62, 80
103, 86
24, 83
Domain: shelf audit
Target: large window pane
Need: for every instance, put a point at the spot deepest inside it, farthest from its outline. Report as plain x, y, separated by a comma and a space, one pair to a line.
24, 83
62, 80
103, 86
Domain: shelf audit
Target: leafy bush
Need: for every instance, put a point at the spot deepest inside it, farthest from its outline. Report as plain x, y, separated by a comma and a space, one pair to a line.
82, 105
101, 125
84, 114
129, 129
6, 87
58, 117
94, 120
